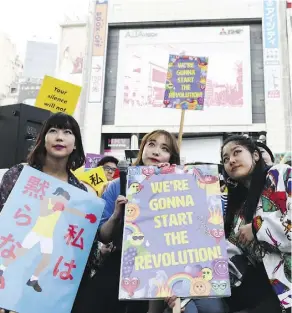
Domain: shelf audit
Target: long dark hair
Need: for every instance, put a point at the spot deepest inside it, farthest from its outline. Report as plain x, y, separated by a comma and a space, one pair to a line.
239, 197
171, 142
60, 121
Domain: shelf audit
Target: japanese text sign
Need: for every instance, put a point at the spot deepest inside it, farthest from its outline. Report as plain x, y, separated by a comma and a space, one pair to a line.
95, 178
100, 28
98, 51
57, 95
270, 24
186, 82
47, 228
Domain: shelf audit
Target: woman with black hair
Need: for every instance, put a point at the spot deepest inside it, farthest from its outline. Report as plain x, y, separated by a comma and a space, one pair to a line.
258, 229
57, 151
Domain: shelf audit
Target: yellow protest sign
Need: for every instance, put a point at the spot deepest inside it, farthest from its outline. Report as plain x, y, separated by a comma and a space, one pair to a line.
95, 178
57, 95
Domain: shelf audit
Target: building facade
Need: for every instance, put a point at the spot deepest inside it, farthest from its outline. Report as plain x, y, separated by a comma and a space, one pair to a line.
248, 89
71, 59
40, 59
11, 69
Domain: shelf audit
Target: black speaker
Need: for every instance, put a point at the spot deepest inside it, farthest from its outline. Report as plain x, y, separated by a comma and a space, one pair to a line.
19, 127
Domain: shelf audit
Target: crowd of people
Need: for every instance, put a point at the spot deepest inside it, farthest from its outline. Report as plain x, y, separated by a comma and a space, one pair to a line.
258, 199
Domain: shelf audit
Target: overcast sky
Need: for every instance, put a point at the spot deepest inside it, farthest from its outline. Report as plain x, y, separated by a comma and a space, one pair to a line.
24, 19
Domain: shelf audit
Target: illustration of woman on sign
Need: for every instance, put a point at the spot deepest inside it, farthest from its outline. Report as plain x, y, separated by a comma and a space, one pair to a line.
43, 232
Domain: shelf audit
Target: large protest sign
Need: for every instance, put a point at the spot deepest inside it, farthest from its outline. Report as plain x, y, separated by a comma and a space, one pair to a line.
173, 234
47, 228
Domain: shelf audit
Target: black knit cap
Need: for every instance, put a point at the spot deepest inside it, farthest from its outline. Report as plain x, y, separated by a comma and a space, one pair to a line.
262, 145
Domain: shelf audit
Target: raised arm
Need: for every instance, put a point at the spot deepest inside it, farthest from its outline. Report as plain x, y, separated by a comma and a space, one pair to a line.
111, 220
91, 217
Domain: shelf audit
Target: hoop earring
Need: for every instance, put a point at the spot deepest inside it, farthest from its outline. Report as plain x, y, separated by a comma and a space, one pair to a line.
231, 183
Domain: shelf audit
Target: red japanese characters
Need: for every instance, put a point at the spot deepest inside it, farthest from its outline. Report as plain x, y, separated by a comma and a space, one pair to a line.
73, 238
36, 188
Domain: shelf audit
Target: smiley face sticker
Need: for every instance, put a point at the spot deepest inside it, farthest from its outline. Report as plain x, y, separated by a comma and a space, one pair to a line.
132, 212
200, 287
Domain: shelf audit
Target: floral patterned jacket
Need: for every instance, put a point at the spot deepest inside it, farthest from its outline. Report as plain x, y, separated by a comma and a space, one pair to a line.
272, 230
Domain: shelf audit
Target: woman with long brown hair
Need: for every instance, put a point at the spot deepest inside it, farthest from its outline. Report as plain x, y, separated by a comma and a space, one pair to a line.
158, 148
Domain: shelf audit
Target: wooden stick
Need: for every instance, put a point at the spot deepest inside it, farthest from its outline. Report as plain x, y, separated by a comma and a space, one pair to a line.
177, 307
181, 127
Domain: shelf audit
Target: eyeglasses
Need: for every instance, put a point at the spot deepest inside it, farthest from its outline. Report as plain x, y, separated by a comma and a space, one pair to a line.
109, 169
